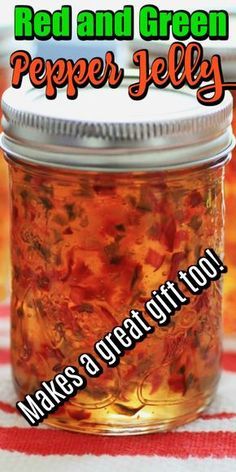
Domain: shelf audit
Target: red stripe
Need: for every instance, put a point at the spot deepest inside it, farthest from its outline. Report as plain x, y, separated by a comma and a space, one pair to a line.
4, 311
229, 361
182, 445
5, 356
219, 416
7, 408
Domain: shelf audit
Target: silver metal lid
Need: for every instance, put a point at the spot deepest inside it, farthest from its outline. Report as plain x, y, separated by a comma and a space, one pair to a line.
106, 130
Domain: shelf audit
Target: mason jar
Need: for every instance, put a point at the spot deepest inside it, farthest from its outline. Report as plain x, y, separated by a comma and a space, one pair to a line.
109, 199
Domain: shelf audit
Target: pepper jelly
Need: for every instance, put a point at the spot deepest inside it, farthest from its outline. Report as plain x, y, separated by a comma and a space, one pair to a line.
110, 198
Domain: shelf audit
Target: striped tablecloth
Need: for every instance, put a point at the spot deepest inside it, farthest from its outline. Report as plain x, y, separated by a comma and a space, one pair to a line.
208, 444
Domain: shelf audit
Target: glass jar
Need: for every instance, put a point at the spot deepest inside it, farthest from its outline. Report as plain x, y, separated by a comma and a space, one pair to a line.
108, 202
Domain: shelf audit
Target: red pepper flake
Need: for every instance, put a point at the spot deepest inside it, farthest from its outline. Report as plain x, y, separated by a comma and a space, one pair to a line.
65, 274
32, 215
154, 259
109, 228
15, 213
155, 383
176, 260
68, 231
180, 237
49, 352
177, 383
174, 346
202, 302
169, 234
80, 271
130, 373
80, 294
79, 415
105, 190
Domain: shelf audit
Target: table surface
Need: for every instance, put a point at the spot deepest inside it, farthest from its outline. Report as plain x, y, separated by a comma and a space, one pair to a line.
204, 445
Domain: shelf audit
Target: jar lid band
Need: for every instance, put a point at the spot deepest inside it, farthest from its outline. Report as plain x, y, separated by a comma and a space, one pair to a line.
105, 129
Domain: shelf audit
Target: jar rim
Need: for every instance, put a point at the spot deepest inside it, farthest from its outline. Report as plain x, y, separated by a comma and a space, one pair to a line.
144, 163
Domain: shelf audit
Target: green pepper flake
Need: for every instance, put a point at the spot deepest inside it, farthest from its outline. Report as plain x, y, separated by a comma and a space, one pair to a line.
147, 200
120, 228
182, 369
116, 260
97, 392
195, 223
57, 236
144, 205
20, 312
154, 231
40, 307
85, 308
60, 220
209, 199
70, 210
43, 282
125, 410
190, 381
16, 272
27, 178
111, 251
195, 199
58, 259
57, 368
197, 252
24, 195
43, 250
136, 275
47, 190
144, 364
85, 189
132, 200
46, 203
